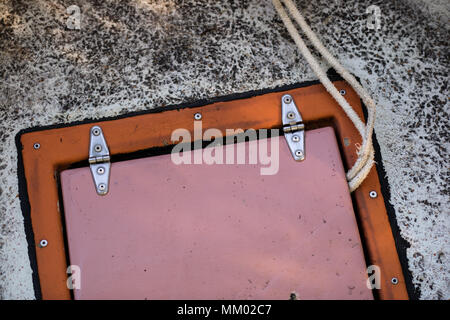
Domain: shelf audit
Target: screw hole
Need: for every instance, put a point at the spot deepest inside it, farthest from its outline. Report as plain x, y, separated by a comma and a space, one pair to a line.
342, 92
394, 281
198, 116
36, 146
43, 243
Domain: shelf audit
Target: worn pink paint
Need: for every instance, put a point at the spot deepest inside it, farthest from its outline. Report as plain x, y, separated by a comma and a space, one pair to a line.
217, 231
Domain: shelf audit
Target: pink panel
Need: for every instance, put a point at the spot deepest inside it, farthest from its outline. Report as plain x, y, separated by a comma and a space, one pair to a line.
217, 231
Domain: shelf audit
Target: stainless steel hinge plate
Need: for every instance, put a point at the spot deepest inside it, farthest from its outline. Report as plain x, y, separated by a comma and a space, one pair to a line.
293, 127
99, 160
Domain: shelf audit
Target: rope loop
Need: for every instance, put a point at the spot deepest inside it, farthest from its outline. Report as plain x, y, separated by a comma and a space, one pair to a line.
365, 151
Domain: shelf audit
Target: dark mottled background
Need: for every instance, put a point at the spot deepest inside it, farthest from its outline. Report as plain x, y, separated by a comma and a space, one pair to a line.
138, 55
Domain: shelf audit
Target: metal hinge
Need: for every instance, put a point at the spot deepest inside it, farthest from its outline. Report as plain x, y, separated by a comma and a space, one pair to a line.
293, 127
99, 160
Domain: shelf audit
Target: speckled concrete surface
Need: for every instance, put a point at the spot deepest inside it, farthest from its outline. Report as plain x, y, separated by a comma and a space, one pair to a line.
137, 55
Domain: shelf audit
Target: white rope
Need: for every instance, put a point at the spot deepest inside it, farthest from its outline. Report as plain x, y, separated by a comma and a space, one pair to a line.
364, 163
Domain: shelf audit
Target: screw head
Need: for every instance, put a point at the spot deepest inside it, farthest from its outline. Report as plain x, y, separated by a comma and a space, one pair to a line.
43, 243
98, 148
198, 116
287, 99
373, 194
102, 187
342, 92
299, 153
295, 138
100, 170
394, 281
290, 115
95, 131
37, 146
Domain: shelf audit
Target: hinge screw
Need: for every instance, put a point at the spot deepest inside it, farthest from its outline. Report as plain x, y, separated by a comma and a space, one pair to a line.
295, 138
101, 170
287, 99
102, 187
36, 146
373, 194
95, 131
198, 116
394, 281
299, 153
98, 148
291, 115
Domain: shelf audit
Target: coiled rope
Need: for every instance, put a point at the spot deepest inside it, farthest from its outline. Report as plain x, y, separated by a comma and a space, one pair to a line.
361, 168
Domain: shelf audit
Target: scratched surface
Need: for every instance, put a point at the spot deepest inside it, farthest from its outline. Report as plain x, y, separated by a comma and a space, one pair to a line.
215, 231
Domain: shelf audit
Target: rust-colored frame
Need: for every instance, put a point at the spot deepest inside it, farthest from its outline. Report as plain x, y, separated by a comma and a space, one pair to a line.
62, 147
